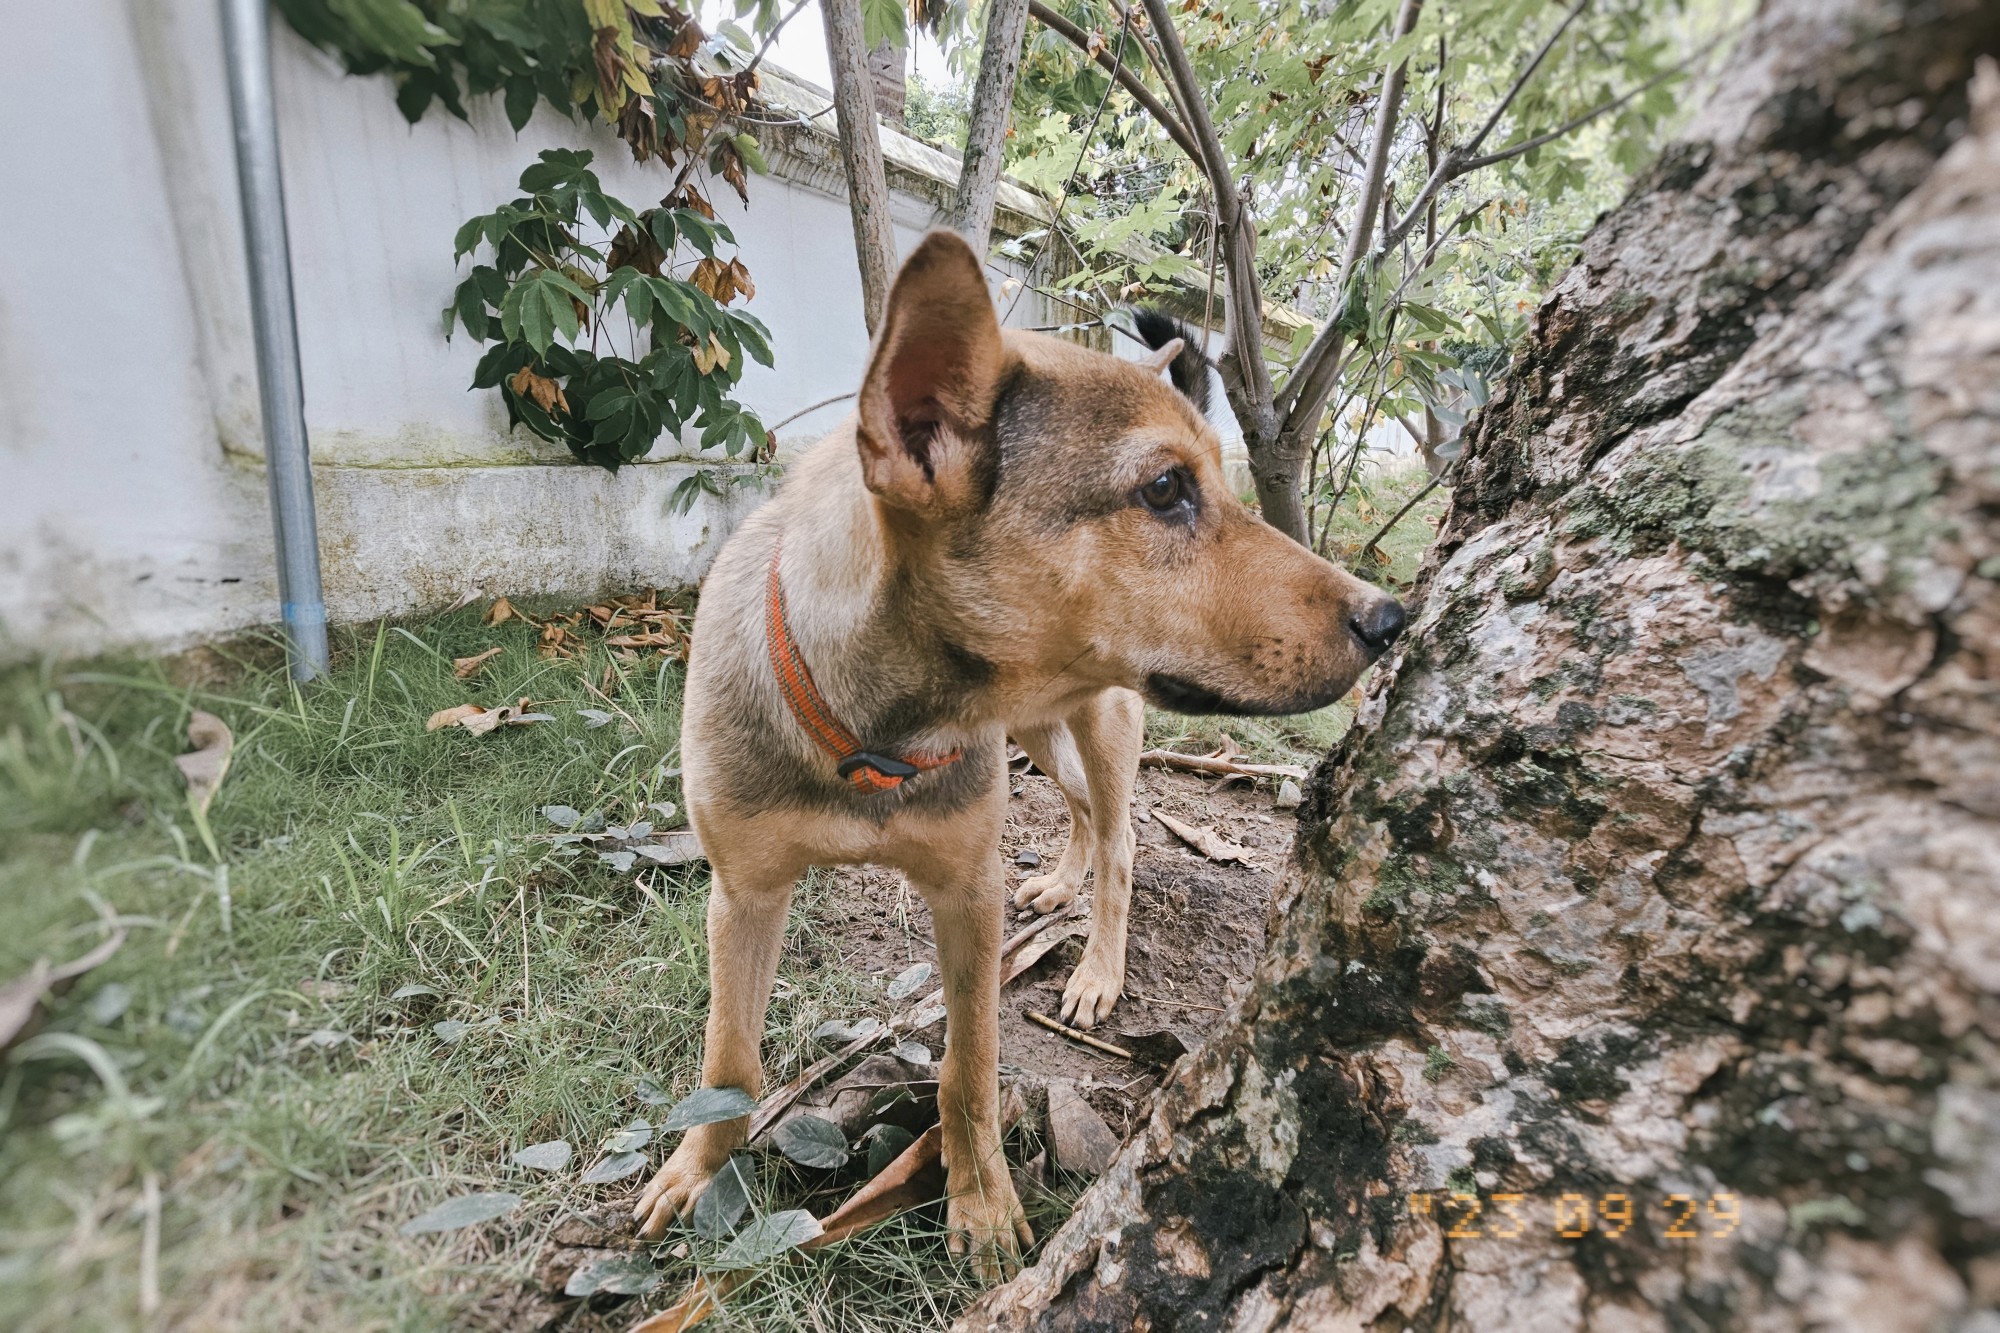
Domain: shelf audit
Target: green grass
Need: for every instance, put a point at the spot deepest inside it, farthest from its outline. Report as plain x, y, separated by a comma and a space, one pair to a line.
352, 855
1369, 503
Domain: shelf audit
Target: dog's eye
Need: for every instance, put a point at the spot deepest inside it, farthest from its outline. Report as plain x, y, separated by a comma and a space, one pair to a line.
1162, 492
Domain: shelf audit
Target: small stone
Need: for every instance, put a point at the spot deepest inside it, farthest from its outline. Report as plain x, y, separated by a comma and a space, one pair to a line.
1078, 1137
1027, 858
1289, 795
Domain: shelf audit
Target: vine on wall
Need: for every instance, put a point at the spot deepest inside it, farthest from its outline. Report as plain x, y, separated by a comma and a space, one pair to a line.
578, 280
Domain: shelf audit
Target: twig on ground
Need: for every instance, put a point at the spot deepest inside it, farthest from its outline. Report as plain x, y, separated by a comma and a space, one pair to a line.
1179, 1004
1078, 1035
1208, 763
149, 1248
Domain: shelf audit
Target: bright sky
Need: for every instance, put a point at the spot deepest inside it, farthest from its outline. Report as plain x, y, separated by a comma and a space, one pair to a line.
801, 47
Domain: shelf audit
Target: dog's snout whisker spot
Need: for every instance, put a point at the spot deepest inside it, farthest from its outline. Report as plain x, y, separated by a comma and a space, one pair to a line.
1378, 625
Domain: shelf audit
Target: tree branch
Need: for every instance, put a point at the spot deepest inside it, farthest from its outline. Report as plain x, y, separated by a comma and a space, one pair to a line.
1306, 390
771, 37
1527, 72
1408, 505
1454, 163
1127, 80
1575, 123
986, 133
1239, 244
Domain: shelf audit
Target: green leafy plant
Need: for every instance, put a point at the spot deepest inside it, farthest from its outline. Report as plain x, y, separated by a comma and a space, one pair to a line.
643, 67
600, 344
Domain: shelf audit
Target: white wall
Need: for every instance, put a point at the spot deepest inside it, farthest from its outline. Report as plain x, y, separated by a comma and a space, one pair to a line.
133, 508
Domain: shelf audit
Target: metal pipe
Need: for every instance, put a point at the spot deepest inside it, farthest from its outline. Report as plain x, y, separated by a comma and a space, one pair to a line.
246, 33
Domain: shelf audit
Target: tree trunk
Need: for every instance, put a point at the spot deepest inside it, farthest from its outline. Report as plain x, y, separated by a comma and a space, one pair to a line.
861, 155
889, 72
986, 130
1639, 966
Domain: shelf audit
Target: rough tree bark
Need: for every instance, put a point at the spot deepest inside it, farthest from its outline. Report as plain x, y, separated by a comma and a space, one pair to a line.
889, 74
861, 154
971, 212
1666, 858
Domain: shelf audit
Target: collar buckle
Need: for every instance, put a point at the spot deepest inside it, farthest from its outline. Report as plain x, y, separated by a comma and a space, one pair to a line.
881, 763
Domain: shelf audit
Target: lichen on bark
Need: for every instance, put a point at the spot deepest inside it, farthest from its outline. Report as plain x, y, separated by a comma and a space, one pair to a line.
1665, 860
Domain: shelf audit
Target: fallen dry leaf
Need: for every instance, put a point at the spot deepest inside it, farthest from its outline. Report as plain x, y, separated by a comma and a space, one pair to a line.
20, 998
204, 766
465, 667
445, 717
479, 720
501, 610
1206, 841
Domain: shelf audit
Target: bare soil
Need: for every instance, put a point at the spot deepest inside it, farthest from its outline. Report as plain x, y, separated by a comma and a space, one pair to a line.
1197, 928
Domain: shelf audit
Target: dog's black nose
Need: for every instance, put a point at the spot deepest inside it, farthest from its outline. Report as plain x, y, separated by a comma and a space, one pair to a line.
1378, 626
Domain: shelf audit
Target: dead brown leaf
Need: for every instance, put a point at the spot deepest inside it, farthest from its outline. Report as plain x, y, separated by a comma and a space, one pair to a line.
610, 71
544, 392
730, 160
467, 667
687, 196
1206, 841
711, 275
446, 717
20, 999
204, 766
501, 611
688, 37
479, 720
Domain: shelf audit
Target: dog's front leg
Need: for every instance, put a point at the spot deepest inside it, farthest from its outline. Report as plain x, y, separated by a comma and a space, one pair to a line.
746, 930
983, 1213
1109, 732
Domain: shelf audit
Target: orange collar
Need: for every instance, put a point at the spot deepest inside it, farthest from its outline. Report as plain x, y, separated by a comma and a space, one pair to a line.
868, 772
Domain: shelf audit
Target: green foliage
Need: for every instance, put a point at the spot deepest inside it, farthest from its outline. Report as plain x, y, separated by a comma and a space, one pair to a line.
1293, 88
645, 68
546, 287
589, 58
937, 113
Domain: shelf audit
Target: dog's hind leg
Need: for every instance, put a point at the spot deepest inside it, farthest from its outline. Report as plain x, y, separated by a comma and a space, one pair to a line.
1054, 750
746, 930
1109, 731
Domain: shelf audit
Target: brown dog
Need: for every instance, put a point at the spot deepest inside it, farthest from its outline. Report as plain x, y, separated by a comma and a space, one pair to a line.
1011, 534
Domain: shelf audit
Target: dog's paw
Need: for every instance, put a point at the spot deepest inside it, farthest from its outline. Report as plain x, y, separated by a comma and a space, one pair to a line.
1092, 991
990, 1229
1045, 893
672, 1193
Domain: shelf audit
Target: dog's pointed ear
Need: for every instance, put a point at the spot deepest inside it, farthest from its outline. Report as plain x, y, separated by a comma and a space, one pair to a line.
932, 378
1156, 361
